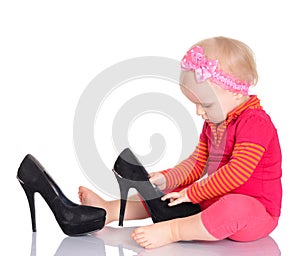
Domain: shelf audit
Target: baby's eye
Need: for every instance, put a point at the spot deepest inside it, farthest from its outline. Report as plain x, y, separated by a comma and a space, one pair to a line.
207, 105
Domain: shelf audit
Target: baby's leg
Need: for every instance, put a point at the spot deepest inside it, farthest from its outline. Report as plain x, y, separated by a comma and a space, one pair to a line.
235, 216
134, 207
162, 233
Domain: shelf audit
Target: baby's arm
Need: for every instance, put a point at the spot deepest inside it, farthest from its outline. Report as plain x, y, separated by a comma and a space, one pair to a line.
189, 170
232, 175
237, 171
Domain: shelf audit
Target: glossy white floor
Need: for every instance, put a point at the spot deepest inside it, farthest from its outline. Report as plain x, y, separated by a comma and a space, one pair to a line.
115, 241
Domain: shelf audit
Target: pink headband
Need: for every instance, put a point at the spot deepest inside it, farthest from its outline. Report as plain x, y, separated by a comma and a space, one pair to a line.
207, 69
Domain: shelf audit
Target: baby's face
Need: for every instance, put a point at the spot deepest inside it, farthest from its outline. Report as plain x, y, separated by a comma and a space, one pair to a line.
212, 102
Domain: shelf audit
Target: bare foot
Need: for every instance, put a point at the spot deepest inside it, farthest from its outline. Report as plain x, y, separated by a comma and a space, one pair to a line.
88, 197
155, 235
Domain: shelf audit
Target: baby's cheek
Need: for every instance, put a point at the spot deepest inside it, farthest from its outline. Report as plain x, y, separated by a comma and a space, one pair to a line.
216, 116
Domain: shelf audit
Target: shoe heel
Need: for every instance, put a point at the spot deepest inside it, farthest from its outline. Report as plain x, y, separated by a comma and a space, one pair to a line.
30, 197
124, 188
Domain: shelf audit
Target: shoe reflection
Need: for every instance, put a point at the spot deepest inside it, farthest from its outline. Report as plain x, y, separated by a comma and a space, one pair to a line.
119, 238
81, 245
33, 244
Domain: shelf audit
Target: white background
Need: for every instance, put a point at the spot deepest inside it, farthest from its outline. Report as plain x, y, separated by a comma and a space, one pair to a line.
51, 50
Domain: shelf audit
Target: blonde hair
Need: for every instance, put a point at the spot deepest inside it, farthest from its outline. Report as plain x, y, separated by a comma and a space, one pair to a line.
234, 57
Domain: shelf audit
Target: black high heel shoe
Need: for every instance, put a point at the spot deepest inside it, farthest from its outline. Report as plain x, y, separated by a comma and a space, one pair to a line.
130, 173
72, 218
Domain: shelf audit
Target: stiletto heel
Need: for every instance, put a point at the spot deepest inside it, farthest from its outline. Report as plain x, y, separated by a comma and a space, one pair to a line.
124, 188
122, 211
130, 173
30, 197
72, 218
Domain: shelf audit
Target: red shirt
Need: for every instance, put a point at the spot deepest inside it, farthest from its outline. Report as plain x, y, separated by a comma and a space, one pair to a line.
241, 155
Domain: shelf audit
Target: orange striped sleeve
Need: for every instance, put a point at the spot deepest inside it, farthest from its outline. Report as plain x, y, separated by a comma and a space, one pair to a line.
244, 160
189, 170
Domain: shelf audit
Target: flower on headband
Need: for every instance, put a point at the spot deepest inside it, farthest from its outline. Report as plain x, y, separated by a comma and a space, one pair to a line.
196, 60
207, 69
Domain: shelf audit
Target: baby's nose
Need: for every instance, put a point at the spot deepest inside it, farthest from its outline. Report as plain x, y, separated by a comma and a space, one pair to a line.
200, 110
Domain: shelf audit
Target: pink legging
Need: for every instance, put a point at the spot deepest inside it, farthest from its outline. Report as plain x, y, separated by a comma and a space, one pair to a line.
238, 217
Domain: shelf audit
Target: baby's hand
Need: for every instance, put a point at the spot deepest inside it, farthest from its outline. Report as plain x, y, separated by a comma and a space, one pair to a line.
158, 179
177, 197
